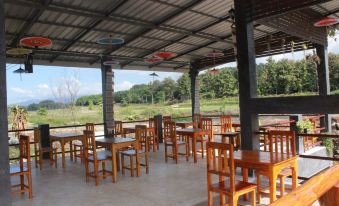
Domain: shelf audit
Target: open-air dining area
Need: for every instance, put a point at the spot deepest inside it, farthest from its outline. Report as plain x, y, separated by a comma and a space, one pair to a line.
276, 148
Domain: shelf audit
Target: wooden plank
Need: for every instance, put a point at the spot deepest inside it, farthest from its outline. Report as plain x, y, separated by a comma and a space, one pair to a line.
247, 77
5, 188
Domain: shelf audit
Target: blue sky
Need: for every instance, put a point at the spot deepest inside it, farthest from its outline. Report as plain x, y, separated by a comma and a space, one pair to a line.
41, 84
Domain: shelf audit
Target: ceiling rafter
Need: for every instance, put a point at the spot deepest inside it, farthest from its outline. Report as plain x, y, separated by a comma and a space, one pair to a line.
92, 25
34, 17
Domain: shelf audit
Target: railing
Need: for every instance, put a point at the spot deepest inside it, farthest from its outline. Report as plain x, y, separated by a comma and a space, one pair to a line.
314, 189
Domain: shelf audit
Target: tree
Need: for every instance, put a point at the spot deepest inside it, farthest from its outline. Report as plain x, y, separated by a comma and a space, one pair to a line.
183, 91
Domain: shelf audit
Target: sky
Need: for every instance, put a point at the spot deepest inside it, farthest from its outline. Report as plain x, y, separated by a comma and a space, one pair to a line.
43, 82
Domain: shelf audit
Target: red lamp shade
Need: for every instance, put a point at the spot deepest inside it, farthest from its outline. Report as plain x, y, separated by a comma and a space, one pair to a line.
36, 42
152, 59
165, 55
327, 21
110, 62
214, 54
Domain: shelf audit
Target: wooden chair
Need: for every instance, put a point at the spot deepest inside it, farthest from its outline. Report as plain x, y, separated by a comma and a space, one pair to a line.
118, 130
280, 143
166, 119
226, 123
171, 140
78, 147
24, 168
206, 125
153, 137
141, 136
39, 150
220, 163
196, 118
92, 156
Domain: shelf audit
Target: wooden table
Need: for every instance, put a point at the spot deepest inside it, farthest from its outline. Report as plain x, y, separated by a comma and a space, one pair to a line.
264, 161
115, 144
184, 124
63, 138
193, 134
233, 138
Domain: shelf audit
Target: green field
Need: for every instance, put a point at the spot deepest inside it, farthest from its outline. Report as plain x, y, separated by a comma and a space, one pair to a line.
130, 112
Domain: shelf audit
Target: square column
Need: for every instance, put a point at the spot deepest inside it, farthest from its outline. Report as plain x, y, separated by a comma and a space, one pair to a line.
5, 187
195, 90
247, 75
107, 75
323, 82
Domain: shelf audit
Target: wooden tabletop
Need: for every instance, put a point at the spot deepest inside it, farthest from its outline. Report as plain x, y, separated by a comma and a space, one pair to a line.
259, 157
115, 140
227, 133
189, 130
65, 135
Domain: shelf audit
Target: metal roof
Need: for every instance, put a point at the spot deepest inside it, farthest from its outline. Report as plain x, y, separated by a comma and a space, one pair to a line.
189, 28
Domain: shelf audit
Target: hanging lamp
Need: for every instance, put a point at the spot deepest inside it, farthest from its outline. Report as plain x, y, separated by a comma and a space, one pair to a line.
165, 54
36, 42
327, 21
110, 40
213, 55
152, 59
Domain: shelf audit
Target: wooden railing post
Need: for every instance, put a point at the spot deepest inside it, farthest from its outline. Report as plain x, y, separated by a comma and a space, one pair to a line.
299, 142
158, 126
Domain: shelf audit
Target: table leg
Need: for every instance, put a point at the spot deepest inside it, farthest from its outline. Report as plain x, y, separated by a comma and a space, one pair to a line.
63, 153
71, 150
273, 184
114, 164
245, 179
137, 161
194, 149
295, 175
51, 153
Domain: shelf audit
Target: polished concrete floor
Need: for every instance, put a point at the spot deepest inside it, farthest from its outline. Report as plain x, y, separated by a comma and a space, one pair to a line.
167, 184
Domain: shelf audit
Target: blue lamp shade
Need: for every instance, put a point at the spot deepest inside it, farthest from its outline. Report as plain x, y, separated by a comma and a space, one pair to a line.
110, 41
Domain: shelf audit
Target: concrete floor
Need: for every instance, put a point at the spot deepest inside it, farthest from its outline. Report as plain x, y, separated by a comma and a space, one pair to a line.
167, 184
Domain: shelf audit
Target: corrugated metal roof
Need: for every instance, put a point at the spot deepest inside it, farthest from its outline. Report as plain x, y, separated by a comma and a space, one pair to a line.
189, 28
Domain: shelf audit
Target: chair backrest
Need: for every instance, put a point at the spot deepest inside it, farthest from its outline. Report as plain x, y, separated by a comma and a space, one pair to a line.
118, 128
37, 136
226, 123
207, 125
90, 127
282, 142
166, 119
140, 126
25, 152
141, 136
196, 118
170, 132
220, 162
264, 138
151, 123
90, 144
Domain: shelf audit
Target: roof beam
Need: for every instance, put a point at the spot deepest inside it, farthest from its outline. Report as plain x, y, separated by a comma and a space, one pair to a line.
163, 20
92, 25
34, 17
72, 10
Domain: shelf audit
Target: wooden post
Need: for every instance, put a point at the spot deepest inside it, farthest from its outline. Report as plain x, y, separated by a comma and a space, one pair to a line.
5, 187
323, 82
195, 90
299, 142
247, 75
108, 101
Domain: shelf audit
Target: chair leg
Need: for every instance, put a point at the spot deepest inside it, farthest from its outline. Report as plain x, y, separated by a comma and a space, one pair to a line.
122, 164
254, 201
187, 152
131, 165
96, 173
175, 151
210, 198
166, 157
222, 199
22, 183
40, 160
233, 200
36, 156
87, 170
202, 148
29, 180
56, 158
258, 186
104, 169
282, 186
75, 152
146, 161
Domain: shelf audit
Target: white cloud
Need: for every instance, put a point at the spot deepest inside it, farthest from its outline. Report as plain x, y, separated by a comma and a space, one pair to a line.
21, 90
125, 85
43, 86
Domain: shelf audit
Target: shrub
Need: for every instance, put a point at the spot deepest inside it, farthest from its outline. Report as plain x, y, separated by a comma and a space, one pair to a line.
42, 111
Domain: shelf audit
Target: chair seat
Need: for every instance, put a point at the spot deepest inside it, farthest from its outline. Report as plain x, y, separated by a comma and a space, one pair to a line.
102, 155
223, 187
131, 152
16, 170
179, 142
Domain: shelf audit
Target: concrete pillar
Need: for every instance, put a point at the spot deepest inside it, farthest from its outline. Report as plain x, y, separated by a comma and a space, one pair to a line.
195, 90
5, 187
247, 75
299, 141
107, 75
324, 82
